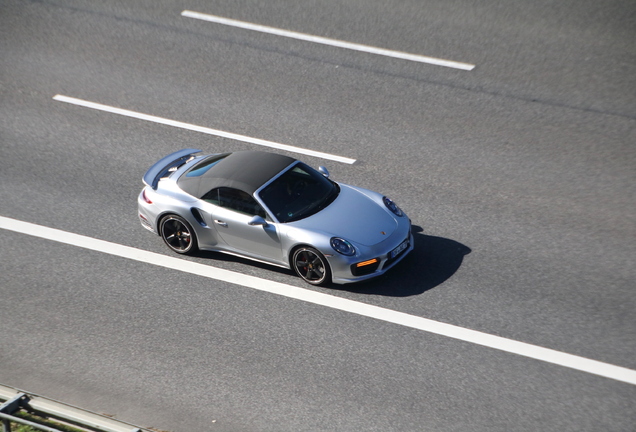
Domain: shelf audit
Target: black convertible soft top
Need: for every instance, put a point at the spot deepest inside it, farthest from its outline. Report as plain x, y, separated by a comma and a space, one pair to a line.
244, 170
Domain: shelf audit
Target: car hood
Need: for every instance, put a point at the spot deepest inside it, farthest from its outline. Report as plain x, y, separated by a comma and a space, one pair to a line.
354, 216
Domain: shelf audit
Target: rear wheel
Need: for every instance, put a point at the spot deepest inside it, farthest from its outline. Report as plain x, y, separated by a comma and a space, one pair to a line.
311, 265
178, 234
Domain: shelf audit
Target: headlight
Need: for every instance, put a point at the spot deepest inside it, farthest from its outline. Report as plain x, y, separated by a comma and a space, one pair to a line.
342, 246
392, 206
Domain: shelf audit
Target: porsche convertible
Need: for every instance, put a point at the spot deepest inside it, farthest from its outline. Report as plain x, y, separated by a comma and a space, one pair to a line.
273, 209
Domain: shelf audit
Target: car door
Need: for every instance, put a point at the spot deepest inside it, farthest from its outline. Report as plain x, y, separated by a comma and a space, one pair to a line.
231, 213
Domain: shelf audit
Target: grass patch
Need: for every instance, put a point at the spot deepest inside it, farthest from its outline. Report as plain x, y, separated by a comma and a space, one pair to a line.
17, 427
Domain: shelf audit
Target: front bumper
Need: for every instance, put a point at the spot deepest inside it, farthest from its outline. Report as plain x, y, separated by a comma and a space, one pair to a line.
342, 271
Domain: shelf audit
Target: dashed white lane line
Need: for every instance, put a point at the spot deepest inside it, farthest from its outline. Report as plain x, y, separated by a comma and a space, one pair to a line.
205, 130
484, 339
327, 41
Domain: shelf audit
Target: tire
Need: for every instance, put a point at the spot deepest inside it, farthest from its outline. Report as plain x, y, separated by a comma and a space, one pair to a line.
311, 266
178, 235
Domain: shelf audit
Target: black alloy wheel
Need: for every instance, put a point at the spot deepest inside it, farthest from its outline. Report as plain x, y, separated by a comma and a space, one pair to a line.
311, 265
178, 234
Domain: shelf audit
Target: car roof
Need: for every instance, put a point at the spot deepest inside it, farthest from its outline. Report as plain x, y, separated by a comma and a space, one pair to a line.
243, 170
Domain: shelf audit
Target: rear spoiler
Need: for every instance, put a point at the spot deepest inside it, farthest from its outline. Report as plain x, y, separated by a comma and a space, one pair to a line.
162, 168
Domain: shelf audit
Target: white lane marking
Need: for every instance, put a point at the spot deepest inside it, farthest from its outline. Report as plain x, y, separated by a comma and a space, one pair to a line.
328, 41
472, 336
205, 130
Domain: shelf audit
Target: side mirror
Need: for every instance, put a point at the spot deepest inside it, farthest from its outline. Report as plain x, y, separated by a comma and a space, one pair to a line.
257, 220
323, 171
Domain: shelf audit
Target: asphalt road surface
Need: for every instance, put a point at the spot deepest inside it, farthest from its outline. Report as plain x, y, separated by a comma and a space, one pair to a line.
519, 176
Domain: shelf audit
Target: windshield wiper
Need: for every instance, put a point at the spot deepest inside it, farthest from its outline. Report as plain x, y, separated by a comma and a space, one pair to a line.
330, 197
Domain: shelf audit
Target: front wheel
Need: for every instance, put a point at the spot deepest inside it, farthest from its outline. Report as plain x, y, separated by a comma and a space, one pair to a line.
311, 265
178, 234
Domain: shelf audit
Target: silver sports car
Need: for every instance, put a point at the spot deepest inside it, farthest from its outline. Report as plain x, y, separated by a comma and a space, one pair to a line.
273, 209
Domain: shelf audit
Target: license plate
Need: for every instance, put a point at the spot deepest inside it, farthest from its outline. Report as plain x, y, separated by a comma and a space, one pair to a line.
395, 252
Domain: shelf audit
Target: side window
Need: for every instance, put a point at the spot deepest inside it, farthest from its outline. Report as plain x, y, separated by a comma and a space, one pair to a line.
212, 197
236, 200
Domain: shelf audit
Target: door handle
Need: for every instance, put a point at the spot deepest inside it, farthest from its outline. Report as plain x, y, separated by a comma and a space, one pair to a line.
220, 222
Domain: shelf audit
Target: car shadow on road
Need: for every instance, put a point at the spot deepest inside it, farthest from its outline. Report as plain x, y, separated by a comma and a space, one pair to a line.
433, 261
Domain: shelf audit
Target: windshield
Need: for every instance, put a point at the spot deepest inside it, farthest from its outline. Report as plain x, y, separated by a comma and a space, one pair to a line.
299, 193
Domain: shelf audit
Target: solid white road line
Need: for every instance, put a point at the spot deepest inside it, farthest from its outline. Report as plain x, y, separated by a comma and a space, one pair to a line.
496, 342
327, 41
201, 129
